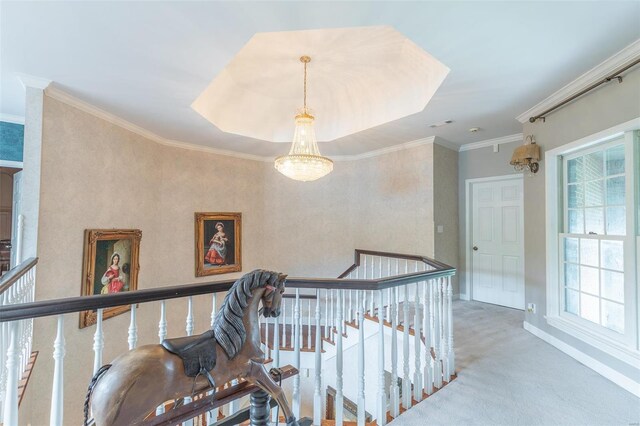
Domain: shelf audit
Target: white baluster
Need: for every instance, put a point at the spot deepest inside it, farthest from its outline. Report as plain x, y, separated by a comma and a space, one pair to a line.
372, 294
389, 290
98, 343
360, 305
284, 323
296, 355
339, 394
428, 375
189, 322
326, 314
19, 239
276, 346
382, 395
406, 379
162, 324
317, 395
234, 405
214, 309
57, 395
133, 329
10, 408
276, 341
350, 316
394, 391
333, 317
309, 325
450, 353
365, 273
211, 416
162, 334
437, 370
266, 338
293, 325
417, 323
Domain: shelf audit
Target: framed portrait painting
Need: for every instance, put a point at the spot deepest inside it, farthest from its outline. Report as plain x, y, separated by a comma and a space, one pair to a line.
110, 266
218, 240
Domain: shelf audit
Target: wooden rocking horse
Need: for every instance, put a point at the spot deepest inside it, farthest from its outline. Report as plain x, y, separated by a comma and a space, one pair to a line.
127, 391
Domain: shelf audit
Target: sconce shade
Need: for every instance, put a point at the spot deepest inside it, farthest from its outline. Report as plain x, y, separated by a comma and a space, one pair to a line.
526, 154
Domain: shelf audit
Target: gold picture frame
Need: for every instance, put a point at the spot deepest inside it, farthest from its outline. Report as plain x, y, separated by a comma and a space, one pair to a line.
218, 243
110, 265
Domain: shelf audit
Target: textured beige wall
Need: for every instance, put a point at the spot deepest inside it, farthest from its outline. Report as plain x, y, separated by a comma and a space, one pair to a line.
98, 175
601, 109
394, 201
445, 208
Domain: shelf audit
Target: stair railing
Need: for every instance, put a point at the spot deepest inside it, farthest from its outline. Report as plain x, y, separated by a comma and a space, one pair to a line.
380, 294
17, 287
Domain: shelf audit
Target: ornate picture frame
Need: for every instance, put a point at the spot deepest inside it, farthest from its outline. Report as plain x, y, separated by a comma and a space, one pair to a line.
110, 265
218, 238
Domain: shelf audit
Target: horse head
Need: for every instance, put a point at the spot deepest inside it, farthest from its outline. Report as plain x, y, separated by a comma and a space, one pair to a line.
272, 295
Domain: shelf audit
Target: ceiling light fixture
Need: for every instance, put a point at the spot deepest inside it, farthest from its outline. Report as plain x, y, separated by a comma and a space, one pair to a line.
304, 161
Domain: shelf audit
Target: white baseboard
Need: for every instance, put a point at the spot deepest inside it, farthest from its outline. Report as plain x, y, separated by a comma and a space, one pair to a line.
627, 383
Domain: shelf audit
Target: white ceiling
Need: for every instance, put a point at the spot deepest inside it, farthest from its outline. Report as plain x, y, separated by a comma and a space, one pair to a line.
147, 61
359, 78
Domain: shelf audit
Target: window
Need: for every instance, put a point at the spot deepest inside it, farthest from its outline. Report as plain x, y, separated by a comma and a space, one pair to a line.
595, 226
593, 243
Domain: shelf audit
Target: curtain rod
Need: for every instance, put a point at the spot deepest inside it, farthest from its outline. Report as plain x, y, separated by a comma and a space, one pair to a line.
616, 75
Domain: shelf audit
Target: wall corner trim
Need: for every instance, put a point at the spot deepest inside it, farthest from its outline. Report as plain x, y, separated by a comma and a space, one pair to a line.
492, 142
446, 144
595, 74
32, 81
627, 383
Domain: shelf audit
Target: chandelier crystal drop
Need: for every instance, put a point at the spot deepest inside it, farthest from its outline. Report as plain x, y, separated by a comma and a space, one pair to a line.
304, 162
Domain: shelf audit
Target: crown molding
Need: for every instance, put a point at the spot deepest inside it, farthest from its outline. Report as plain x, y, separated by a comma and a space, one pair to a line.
595, 74
10, 118
71, 100
518, 137
387, 150
33, 82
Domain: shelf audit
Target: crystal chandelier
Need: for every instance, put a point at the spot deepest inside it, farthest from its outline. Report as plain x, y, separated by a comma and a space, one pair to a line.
304, 161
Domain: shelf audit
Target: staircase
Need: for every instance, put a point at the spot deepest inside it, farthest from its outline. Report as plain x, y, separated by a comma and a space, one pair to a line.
364, 347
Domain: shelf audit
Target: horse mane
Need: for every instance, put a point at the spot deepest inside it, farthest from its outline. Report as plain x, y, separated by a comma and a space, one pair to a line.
228, 328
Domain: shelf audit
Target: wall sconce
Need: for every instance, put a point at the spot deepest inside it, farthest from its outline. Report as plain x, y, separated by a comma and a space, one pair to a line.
526, 157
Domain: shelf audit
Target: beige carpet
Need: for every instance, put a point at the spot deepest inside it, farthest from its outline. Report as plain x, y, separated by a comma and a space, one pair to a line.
507, 376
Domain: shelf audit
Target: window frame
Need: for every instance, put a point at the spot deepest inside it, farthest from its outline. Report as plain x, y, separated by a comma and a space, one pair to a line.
622, 346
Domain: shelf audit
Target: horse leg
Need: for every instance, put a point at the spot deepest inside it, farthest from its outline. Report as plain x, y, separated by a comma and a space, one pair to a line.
260, 377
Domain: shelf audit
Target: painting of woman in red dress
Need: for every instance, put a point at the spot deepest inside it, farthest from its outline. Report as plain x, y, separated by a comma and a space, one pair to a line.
217, 253
113, 281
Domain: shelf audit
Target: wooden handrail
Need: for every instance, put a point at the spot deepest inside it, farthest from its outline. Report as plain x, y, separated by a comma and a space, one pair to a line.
15, 273
84, 303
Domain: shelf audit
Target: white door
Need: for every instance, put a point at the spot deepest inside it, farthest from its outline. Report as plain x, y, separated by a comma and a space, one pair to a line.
16, 212
497, 242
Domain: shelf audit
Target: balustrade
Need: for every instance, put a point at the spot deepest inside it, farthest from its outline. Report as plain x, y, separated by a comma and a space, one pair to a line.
378, 297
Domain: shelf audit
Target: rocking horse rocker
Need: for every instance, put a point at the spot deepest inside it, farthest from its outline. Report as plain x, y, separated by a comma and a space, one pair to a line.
127, 391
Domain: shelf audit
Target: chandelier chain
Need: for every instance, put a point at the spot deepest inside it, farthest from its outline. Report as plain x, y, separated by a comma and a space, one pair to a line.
305, 87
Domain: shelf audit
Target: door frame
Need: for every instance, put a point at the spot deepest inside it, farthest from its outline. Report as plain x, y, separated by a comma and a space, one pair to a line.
468, 194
